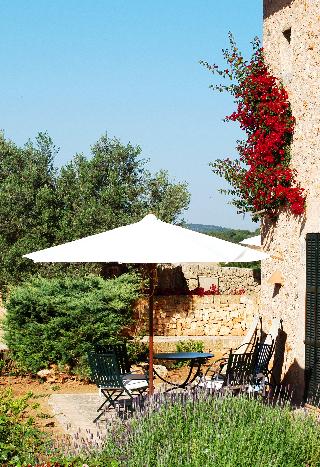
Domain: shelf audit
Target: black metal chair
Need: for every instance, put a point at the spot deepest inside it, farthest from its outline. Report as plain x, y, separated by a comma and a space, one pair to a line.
262, 373
239, 372
106, 374
248, 345
240, 369
250, 369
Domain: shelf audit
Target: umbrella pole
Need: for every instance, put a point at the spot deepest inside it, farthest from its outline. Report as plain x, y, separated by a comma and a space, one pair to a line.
152, 277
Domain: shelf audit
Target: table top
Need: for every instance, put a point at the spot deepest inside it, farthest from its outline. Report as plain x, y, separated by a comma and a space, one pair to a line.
183, 355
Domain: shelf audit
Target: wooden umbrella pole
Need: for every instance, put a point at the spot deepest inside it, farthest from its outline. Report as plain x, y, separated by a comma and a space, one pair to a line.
152, 277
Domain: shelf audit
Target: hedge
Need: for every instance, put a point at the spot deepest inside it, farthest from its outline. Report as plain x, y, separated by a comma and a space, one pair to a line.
56, 321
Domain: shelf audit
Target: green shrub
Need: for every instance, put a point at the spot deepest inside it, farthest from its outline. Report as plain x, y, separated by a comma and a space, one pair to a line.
203, 429
137, 351
188, 346
20, 440
57, 320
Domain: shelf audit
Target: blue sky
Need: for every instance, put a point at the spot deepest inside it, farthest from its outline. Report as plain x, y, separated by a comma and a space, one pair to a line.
78, 68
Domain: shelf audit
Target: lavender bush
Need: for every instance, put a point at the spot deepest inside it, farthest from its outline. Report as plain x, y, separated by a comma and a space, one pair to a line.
201, 429
191, 429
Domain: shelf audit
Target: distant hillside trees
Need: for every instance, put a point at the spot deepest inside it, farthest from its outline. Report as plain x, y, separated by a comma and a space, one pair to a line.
234, 235
230, 235
205, 228
41, 206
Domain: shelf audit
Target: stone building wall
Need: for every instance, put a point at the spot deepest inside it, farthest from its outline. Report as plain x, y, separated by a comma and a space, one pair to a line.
294, 57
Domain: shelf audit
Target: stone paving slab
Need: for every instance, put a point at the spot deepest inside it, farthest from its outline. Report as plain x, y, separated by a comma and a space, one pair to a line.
76, 412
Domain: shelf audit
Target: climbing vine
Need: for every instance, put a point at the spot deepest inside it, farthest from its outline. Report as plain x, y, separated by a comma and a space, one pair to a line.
261, 179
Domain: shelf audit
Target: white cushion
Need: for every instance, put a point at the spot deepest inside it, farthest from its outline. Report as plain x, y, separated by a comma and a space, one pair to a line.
215, 384
135, 384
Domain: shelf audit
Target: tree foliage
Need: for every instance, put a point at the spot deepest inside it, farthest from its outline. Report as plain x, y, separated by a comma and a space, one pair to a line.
28, 203
42, 206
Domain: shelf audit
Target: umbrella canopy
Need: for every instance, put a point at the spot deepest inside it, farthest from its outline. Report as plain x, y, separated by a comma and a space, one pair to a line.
148, 241
252, 241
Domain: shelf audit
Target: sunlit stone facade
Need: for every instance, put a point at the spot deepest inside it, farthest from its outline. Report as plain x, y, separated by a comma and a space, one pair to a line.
291, 39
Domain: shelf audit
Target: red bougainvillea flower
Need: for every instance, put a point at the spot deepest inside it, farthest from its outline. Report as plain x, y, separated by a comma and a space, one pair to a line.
213, 290
261, 180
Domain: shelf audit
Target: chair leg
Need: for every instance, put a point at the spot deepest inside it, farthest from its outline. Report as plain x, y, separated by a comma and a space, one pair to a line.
110, 400
129, 394
97, 418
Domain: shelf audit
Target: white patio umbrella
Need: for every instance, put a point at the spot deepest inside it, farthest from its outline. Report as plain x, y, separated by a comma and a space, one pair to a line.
149, 241
252, 241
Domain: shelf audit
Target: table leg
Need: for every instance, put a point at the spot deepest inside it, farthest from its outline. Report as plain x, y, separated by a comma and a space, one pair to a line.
187, 380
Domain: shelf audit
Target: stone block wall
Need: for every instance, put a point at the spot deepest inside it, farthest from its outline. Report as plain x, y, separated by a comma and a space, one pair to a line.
217, 345
178, 279
222, 316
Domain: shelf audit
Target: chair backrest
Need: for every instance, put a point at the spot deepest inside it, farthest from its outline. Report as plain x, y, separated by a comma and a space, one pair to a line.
249, 340
105, 371
121, 353
263, 356
240, 368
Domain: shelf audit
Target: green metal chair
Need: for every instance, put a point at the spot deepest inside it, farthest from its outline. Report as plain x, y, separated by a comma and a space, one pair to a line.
121, 353
112, 384
120, 349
